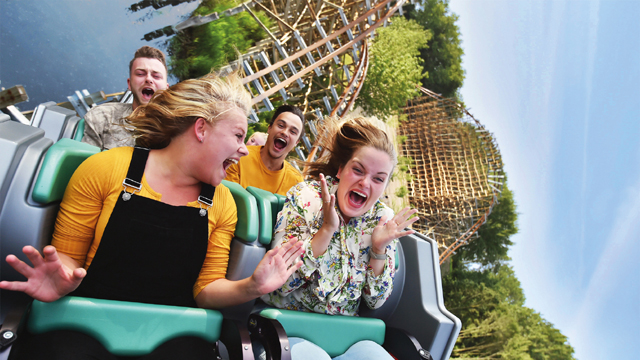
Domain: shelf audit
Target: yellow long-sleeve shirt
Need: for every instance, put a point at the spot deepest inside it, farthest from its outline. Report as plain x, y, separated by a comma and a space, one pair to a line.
92, 194
250, 171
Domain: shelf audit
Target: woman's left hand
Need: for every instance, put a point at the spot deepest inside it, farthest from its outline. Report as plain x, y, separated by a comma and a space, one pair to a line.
386, 231
277, 266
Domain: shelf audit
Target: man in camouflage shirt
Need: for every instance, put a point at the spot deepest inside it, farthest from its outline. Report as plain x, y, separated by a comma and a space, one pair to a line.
104, 124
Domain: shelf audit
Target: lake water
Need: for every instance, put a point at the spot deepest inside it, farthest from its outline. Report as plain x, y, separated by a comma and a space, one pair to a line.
53, 48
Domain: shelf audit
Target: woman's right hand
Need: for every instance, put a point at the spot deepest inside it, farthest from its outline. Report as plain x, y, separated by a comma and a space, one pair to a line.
330, 221
49, 279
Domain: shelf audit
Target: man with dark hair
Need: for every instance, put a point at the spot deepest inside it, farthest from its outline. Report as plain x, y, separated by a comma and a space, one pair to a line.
103, 124
265, 167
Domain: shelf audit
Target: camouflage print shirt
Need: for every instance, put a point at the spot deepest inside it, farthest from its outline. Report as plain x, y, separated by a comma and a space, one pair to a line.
334, 282
103, 126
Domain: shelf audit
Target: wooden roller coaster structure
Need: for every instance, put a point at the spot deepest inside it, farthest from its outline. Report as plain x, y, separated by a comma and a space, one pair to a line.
316, 57
457, 173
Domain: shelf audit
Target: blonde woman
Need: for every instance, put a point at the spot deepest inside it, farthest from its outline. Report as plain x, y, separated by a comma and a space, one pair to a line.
153, 223
257, 139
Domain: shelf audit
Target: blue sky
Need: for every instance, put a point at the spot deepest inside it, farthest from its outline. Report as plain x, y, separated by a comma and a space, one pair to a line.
557, 82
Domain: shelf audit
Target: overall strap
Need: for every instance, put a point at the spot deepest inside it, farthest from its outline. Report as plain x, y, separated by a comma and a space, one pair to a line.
136, 168
206, 194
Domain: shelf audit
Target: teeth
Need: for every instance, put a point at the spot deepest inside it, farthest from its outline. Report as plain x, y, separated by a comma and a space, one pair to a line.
359, 193
234, 161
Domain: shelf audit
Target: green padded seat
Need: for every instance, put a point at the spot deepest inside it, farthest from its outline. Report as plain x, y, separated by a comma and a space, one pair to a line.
124, 328
60, 162
79, 131
334, 334
281, 200
248, 227
268, 208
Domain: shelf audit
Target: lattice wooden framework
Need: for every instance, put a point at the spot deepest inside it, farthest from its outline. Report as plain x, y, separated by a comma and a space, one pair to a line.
315, 56
457, 172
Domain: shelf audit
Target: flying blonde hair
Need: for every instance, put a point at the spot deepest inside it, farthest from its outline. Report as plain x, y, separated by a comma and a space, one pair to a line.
171, 112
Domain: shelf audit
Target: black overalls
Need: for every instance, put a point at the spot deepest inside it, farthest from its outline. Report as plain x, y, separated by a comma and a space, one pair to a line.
150, 252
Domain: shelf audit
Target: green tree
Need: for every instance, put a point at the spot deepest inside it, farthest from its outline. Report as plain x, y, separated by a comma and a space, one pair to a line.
489, 300
442, 58
198, 50
494, 237
495, 322
394, 69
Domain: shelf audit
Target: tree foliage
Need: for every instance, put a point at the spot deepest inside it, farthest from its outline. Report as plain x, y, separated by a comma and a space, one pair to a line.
394, 69
495, 322
492, 244
198, 50
483, 291
442, 58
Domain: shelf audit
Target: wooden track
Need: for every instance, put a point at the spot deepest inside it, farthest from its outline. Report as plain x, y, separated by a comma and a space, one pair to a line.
457, 174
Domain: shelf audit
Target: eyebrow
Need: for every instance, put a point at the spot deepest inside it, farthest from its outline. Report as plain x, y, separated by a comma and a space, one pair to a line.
284, 122
380, 172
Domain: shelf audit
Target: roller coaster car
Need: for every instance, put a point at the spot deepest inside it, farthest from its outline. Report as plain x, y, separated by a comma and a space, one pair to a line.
412, 324
33, 175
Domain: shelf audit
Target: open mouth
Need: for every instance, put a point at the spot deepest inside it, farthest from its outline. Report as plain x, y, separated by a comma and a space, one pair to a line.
147, 93
228, 163
357, 198
280, 144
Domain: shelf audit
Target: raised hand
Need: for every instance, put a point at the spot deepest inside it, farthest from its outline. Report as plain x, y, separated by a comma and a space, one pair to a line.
330, 216
49, 279
386, 231
277, 266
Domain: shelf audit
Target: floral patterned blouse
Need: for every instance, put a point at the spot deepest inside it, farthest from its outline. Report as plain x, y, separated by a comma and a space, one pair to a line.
334, 282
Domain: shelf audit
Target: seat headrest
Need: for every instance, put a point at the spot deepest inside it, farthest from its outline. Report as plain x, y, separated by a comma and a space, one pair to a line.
60, 162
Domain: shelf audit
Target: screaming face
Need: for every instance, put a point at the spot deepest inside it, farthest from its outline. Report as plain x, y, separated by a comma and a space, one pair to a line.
147, 76
283, 135
362, 181
223, 146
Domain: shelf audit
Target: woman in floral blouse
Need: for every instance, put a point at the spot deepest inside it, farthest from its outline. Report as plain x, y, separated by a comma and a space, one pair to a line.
349, 235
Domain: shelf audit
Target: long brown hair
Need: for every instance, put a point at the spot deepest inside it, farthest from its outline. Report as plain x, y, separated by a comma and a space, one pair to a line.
341, 140
171, 112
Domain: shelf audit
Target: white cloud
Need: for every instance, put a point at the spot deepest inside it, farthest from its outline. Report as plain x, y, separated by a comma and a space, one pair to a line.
611, 276
594, 11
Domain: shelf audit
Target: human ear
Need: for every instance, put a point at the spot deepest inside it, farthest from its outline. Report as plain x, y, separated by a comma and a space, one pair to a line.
199, 129
338, 174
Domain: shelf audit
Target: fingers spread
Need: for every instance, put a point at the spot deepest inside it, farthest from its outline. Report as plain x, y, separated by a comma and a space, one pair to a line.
293, 268
409, 222
13, 285
79, 274
33, 255
293, 252
50, 254
271, 254
20, 266
404, 214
